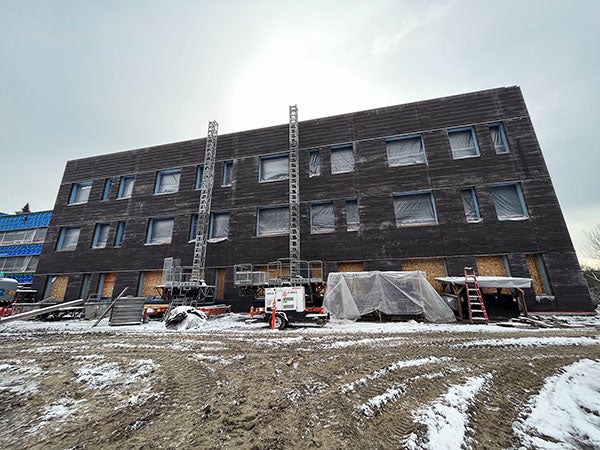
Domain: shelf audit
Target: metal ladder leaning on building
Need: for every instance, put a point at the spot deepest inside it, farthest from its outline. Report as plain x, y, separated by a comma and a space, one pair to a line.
475, 303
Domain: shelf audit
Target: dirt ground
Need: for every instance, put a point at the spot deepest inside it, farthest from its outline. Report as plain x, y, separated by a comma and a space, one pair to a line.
262, 389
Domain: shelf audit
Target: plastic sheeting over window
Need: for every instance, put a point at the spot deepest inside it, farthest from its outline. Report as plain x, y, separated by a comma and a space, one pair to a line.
342, 159
351, 295
314, 163
414, 209
321, 217
126, 187
509, 203
19, 264
352, 217
406, 151
160, 231
199, 174
227, 173
68, 239
462, 143
80, 192
498, 138
167, 181
101, 235
469, 201
274, 168
219, 226
273, 221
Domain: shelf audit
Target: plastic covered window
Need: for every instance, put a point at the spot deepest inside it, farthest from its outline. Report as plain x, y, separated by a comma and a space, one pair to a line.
414, 209
167, 181
469, 201
106, 191
352, 218
160, 231
406, 151
321, 217
227, 173
498, 138
509, 202
126, 187
314, 163
119, 235
100, 235
273, 221
463, 143
80, 192
273, 168
219, 226
68, 238
342, 159
199, 175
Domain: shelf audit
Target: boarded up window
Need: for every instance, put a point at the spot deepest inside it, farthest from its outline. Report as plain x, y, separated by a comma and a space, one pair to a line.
109, 284
433, 268
490, 266
151, 280
537, 272
355, 266
59, 287
220, 294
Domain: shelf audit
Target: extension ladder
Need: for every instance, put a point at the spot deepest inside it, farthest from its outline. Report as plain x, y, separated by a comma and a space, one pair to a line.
475, 304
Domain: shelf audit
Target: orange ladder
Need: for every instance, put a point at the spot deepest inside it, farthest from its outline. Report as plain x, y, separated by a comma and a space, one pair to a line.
475, 304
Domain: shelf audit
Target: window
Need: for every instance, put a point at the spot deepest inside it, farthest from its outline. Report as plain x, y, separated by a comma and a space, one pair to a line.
80, 192
274, 220
219, 225
498, 138
18, 264
414, 209
273, 168
106, 191
227, 173
342, 159
199, 174
126, 187
539, 275
100, 235
405, 151
321, 217
314, 163
193, 225
167, 181
463, 143
469, 201
85, 286
119, 235
40, 235
67, 238
509, 202
48, 288
352, 217
160, 231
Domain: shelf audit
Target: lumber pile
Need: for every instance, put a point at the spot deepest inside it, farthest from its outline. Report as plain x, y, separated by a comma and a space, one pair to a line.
551, 322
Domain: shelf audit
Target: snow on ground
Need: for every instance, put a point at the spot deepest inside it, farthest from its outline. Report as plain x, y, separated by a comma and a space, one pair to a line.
566, 413
532, 342
95, 376
55, 413
15, 378
447, 418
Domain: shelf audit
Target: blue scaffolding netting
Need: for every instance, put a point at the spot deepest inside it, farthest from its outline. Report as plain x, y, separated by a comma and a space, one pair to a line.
20, 250
25, 221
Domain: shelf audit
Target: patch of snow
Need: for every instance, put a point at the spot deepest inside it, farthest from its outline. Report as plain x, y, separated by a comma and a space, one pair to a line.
19, 377
367, 341
98, 376
56, 412
565, 414
532, 342
447, 418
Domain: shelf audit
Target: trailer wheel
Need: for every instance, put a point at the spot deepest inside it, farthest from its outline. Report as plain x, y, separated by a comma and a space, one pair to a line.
280, 322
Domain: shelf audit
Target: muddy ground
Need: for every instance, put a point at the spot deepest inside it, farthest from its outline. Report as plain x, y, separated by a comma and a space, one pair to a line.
257, 389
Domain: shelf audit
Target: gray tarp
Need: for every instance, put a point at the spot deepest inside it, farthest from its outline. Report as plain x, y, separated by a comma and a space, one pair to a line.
492, 282
353, 294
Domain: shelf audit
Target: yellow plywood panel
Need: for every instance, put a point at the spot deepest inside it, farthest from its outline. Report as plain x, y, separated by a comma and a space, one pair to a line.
535, 274
490, 266
433, 268
354, 266
151, 280
109, 284
220, 283
59, 287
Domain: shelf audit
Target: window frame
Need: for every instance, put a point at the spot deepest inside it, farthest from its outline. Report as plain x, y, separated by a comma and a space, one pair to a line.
471, 129
61, 239
262, 158
212, 220
120, 233
76, 188
276, 233
227, 174
337, 148
402, 138
471, 190
106, 189
502, 136
199, 175
310, 156
124, 179
322, 230
414, 194
521, 197
352, 227
159, 178
152, 224
97, 232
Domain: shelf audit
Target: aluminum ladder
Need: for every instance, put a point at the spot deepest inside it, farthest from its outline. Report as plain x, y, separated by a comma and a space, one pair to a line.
475, 303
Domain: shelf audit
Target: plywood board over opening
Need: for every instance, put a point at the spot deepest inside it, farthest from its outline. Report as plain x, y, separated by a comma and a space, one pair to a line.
220, 284
433, 268
352, 266
536, 275
151, 280
59, 287
109, 284
491, 266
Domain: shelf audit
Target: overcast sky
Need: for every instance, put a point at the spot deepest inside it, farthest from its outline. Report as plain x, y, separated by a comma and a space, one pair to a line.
81, 78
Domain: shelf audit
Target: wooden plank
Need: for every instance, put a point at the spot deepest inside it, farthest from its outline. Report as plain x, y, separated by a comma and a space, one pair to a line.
220, 283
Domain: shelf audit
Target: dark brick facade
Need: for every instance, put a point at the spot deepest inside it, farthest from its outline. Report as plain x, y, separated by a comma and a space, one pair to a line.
380, 243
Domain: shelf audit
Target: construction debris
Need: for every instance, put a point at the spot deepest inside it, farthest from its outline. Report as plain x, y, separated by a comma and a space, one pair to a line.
185, 318
546, 322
